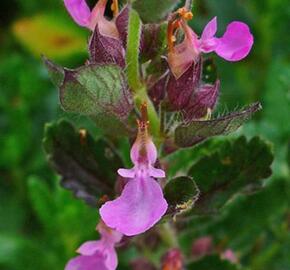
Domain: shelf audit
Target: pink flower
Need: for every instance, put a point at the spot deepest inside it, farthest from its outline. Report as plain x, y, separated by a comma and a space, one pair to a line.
141, 204
234, 45
202, 246
83, 16
99, 255
230, 256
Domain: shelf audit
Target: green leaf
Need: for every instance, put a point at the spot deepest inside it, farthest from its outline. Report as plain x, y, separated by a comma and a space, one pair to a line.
248, 216
98, 91
238, 165
182, 159
152, 11
180, 194
50, 35
277, 96
55, 72
213, 262
132, 53
288, 154
244, 220
62, 217
88, 167
199, 130
42, 201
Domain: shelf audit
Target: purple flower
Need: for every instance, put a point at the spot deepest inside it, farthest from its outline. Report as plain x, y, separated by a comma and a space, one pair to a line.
83, 16
141, 204
234, 45
99, 255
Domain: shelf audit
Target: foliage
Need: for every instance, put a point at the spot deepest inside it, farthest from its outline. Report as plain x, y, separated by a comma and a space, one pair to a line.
224, 183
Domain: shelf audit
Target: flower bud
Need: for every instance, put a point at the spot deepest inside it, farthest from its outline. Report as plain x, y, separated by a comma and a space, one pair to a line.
172, 260
202, 246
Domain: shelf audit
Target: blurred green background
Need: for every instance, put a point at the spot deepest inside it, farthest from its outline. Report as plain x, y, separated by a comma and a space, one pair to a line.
40, 223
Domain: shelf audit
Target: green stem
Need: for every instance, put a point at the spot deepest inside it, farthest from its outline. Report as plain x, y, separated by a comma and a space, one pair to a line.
132, 53
188, 4
168, 235
133, 74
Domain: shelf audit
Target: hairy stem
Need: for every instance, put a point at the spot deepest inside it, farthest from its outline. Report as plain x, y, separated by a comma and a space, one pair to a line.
188, 4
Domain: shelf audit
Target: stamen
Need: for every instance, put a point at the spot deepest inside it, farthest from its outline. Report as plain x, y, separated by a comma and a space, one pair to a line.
172, 26
115, 7
177, 20
185, 14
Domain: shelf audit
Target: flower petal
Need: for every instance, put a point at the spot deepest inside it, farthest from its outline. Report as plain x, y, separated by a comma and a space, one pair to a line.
127, 173
109, 237
151, 151
208, 42
89, 248
96, 261
157, 173
139, 207
79, 11
236, 42
210, 29
111, 259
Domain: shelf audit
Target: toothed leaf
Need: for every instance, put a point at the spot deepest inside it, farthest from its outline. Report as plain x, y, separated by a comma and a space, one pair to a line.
88, 167
238, 166
198, 130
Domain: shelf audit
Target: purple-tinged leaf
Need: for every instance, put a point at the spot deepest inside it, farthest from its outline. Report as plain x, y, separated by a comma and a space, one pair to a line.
153, 41
204, 98
181, 90
122, 24
106, 50
98, 91
188, 134
87, 167
158, 90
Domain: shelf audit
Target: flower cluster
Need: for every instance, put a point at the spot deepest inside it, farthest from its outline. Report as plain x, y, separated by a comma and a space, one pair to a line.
141, 203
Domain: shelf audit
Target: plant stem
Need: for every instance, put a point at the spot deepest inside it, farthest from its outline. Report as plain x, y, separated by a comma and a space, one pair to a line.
188, 4
168, 235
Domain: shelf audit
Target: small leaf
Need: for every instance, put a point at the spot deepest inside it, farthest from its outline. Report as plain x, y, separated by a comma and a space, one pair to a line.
98, 91
213, 262
198, 130
180, 194
154, 43
152, 11
50, 35
55, 72
106, 50
237, 166
88, 167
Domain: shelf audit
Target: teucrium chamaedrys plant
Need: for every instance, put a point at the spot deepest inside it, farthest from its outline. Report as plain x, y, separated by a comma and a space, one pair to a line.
151, 72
